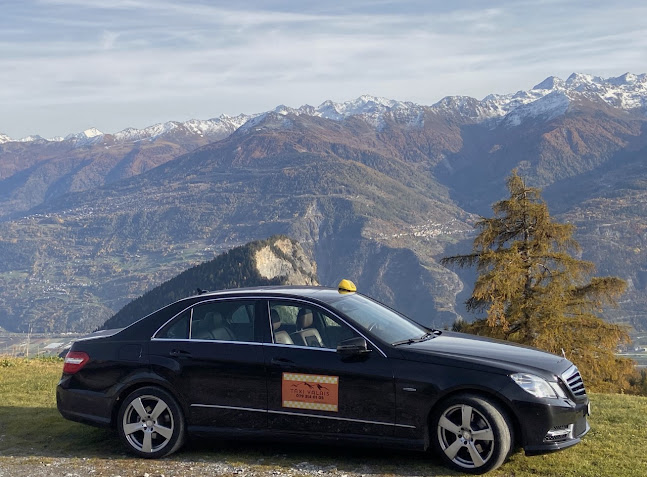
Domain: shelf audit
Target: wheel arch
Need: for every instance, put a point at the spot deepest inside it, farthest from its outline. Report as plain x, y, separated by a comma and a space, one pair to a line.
142, 382
504, 406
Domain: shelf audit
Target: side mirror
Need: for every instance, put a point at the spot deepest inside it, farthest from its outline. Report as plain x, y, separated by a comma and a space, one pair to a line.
353, 347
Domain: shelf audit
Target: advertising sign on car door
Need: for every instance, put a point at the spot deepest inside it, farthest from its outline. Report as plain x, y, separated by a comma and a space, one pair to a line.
310, 391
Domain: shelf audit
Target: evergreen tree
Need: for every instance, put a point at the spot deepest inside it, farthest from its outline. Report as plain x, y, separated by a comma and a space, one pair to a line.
536, 292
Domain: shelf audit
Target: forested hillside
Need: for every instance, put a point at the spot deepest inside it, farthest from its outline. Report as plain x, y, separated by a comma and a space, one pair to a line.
244, 266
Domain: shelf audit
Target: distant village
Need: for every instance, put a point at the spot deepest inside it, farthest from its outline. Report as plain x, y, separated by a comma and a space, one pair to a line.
34, 345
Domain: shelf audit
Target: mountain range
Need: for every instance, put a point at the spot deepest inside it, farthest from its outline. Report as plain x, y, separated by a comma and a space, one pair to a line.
376, 190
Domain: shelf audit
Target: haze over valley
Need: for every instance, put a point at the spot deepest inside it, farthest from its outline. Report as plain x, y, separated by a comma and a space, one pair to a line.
375, 190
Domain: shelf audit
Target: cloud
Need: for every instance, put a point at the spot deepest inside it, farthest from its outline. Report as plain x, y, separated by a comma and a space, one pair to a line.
207, 57
108, 40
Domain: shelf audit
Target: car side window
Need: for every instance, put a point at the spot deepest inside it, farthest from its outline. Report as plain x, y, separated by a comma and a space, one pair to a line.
177, 329
303, 325
227, 320
336, 332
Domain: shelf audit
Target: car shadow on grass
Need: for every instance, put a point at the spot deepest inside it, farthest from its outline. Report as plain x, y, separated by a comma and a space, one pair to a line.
43, 433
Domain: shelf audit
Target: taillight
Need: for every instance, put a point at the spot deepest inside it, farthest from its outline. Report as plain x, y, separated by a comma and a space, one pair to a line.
74, 361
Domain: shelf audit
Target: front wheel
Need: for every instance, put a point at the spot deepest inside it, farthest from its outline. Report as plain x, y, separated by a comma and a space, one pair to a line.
471, 434
151, 423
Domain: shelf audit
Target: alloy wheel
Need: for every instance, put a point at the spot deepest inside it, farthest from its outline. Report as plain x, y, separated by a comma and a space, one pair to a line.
148, 424
466, 436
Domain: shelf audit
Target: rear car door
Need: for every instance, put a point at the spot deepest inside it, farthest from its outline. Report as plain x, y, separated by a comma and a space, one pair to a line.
212, 356
314, 389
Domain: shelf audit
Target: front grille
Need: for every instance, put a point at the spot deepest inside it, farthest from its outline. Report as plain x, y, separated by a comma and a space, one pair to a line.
574, 381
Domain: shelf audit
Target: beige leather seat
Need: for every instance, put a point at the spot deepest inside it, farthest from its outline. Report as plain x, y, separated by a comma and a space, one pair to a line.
280, 336
306, 334
213, 327
201, 329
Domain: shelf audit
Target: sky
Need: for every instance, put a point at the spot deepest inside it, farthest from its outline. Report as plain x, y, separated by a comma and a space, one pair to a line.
69, 65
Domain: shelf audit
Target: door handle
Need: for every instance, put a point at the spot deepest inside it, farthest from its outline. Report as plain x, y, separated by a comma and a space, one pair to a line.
283, 363
179, 353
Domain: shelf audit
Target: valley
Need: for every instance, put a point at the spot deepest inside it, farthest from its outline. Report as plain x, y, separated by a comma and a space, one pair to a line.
375, 190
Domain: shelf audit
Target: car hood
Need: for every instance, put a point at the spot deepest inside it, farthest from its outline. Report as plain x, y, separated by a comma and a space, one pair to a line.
503, 355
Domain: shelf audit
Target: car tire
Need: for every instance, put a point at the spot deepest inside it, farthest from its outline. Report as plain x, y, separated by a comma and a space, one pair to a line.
150, 423
471, 433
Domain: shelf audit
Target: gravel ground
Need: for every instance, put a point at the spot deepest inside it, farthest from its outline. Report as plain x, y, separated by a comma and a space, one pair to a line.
80, 467
230, 462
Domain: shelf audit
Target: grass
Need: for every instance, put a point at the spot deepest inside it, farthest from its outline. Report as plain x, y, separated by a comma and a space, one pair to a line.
33, 433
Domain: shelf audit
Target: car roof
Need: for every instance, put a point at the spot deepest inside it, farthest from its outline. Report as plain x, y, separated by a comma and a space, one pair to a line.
318, 292
154, 320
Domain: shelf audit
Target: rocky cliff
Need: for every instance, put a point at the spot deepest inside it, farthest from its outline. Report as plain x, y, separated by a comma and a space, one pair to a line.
275, 261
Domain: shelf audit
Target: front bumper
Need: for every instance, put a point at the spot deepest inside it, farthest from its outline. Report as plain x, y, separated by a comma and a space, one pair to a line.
552, 426
553, 446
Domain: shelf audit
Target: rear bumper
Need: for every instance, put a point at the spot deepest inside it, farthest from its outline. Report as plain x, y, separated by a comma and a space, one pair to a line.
83, 406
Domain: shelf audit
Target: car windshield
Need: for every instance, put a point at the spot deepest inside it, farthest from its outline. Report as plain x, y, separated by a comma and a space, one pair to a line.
379, 320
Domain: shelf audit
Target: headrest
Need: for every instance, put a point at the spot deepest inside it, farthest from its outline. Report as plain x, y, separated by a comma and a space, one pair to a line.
214, 319
276, 319
304, 319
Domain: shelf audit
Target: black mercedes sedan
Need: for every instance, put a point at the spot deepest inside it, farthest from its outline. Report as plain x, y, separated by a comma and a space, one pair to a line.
320, 363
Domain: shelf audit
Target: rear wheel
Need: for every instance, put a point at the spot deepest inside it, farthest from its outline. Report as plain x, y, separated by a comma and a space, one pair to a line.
151, 423
471, 434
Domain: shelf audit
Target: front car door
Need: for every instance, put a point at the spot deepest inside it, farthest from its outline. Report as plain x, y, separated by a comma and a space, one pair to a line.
311, 387
212, 355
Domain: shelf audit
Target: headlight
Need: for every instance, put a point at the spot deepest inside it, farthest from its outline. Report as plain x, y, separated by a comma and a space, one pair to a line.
537, 386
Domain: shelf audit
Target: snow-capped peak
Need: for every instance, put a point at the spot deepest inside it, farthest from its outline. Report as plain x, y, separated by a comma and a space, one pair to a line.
364, 105
88, 135
216, 127
92, 132
551, 97
625, 79
372, 109
628, 91
580, 79
546, 107
34, 138
552, 82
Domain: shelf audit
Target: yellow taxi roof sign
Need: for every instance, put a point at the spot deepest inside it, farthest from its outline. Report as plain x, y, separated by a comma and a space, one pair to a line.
346, 286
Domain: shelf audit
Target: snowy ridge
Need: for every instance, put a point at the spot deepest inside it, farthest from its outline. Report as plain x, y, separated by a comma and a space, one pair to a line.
217, 127
547, 107
546, 100
85, 138
224, 125
35, 138
551, 97
372, 109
